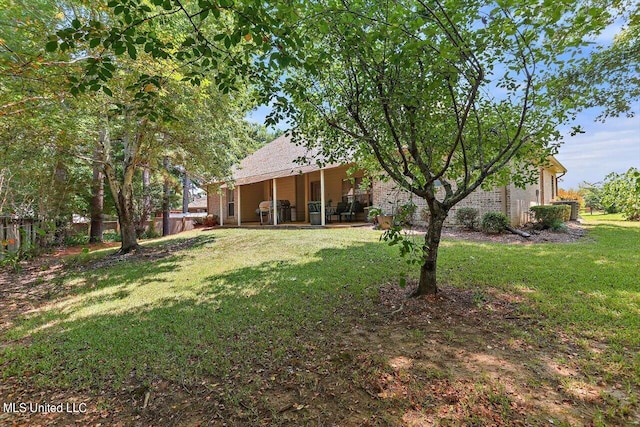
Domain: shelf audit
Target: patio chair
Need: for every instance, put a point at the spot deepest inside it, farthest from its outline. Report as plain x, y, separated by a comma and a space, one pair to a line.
350, 212
264, 208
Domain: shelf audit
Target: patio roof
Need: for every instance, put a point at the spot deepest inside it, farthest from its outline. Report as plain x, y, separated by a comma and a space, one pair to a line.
277, 159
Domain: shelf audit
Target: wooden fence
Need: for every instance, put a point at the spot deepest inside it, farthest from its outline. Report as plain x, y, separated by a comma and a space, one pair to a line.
20, 234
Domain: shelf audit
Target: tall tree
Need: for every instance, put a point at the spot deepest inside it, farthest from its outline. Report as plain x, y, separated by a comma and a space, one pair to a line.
149, 99
444, 97
97, 200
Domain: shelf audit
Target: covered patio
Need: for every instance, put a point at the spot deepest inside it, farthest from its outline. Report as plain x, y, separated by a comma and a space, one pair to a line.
301, 193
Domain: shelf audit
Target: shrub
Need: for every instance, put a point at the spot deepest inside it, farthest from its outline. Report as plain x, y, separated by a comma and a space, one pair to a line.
559, 226
76, 240
467, 218
111, 236
546, 215
494, 222
211, 220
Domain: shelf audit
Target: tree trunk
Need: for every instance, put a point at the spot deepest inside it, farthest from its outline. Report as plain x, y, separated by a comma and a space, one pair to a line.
145, 213
428, 284
122, 190
127, 222
97, 199
166, 230
186, 183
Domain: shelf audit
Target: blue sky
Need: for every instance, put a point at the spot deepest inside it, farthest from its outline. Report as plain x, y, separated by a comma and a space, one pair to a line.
612, 146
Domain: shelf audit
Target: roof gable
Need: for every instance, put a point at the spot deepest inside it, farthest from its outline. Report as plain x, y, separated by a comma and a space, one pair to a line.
277, 159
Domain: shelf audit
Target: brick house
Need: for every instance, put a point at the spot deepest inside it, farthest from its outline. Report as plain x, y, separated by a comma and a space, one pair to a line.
272, 173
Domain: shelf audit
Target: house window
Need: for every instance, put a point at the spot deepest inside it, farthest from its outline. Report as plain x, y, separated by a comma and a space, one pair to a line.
315, 190
231, 210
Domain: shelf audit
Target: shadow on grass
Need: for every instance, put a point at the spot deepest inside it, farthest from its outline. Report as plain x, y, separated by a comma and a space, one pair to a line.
301, 325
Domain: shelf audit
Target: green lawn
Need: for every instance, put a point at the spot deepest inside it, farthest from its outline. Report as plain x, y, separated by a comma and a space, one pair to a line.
235, 312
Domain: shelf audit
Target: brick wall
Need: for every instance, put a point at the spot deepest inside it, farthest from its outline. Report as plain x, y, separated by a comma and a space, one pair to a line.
388, 196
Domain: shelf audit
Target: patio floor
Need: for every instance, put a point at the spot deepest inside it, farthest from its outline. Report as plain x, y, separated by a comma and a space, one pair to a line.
299, 225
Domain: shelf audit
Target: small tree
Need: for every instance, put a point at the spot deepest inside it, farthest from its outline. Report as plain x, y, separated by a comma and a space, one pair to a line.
494, 222
446, 97
592, 195
623, 192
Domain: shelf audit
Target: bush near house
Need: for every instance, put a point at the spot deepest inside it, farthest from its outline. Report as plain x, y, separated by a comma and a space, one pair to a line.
548, 216
211, 220
467, 218
494, 222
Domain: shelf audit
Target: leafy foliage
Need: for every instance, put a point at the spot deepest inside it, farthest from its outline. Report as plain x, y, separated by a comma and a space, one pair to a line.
622, 192
494, 222
609, 78
549, 215
467, 217
571, 194
592, 195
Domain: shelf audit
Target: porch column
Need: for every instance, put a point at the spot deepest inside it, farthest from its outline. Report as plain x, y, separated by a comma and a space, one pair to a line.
239, 207
275, 202
322, 204
307, 218
221, 210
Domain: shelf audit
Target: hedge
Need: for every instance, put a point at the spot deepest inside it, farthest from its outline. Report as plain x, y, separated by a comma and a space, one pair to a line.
494, 222
547, 215
467, 217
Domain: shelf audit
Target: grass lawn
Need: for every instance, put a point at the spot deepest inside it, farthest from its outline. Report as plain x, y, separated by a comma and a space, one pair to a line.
307, 327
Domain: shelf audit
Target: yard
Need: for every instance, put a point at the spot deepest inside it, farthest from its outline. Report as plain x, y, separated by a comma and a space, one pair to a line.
308, 327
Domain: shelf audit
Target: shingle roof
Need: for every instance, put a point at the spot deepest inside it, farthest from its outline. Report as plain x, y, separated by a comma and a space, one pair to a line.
199, 203
275, 160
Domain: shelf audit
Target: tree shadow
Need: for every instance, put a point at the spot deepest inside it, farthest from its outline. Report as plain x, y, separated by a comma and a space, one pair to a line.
313, 332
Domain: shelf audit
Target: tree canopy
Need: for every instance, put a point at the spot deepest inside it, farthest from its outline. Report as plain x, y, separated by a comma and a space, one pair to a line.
444, 97
53, 106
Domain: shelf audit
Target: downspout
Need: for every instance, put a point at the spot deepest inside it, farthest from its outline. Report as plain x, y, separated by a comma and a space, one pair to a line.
542, 186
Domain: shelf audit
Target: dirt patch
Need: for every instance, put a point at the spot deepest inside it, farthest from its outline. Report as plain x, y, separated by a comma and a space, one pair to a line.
574, 232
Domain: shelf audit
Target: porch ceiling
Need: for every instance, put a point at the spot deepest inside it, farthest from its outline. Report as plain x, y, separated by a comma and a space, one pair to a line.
276, 174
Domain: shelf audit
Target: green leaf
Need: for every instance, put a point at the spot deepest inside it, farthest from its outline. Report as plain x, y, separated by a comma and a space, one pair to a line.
133, 53
76, 24
94, 43
51, 46
106, 90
